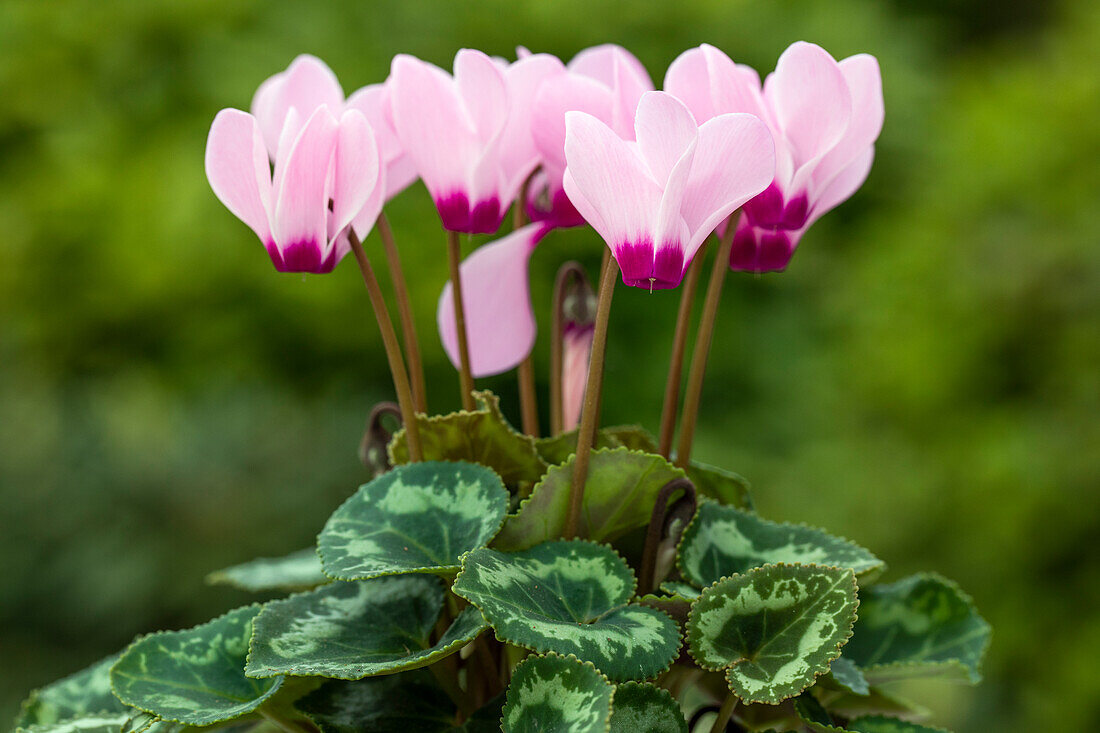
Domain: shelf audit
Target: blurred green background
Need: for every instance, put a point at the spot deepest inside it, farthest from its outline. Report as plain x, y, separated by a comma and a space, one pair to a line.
923, 380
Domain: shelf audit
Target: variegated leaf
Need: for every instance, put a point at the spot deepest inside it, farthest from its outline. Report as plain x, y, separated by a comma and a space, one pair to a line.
725, 487
354, 630
619, 494
845, 673
571, 598
556, 694
297, 571
483, 436
643, 708
411, 701
418, 518
86, 723
81, 694
882, 724
723, 540
813, 715
194, 676
920, 626
773, 629
556, 450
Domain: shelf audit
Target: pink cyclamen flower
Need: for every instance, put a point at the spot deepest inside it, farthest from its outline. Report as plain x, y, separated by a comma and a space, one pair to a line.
468, 135
500, 322
824, 116
655, 201
327, 172
309, 83
606, 82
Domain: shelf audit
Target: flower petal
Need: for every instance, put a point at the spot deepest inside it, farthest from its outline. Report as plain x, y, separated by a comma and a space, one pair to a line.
734, 161
865, 85
688, 79
665, 130
500, 323
301, 208
843, 185
358, 177
238, 169
519, 154
619, 70
558, 95
484, 93
306, 84
400, 172
810, 99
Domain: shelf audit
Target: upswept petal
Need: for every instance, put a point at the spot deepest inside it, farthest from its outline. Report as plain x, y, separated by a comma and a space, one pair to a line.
306, 84
480, 84
605, 175
371, 101
665, 130
865, 85
810, 100
734, 161
432, 125
238, 169
357, 176
564, 93
843, 184
622, 73
688, 78
301, 204
500, 323
519, 153
734, 87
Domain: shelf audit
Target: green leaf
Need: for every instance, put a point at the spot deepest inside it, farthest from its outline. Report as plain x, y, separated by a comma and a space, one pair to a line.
773, 629
813, 715
354, 630
619, 495
876, 702
723, 486
846, 674
297, 571
87, 723
556, 694
85, 692
644, 708
556, 450
398, 703
483, 436
920, 626
723, 540
882, 724
570, 597
194, 676
418, 518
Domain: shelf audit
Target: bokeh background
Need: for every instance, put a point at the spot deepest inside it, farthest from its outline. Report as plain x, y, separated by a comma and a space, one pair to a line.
923, 379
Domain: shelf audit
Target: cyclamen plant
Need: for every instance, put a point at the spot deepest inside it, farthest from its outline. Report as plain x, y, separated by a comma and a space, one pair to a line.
591, 580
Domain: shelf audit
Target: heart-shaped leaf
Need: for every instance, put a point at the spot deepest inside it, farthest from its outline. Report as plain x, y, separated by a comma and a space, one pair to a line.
619, 494
571, 598
87, 723
354, 630
639, 707
297, 571
194, 676
418, 518
556, 450
882, 724
725, 487
723, 540
920, 626
482, 436
553, 693
773, 629
85, 693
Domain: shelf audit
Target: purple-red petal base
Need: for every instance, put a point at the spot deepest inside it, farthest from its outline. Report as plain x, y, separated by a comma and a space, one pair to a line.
643, 268
302, 256
457, 216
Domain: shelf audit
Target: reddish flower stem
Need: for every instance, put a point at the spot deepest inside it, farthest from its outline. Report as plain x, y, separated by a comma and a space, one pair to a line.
676, 363
465, 377
404, 310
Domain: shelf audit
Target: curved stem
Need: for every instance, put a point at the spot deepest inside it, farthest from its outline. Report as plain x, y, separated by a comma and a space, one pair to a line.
569, 270
590, 410
465, 377
393, 349
658, 524
694, 390
724, 714
676, 363
404, 310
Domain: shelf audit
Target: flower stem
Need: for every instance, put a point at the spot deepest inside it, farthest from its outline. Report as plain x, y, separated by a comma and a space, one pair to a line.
404, 309
528, 397
393, 349
676, 364
465, 377
694, 390
724, 714
590, 410
569, 270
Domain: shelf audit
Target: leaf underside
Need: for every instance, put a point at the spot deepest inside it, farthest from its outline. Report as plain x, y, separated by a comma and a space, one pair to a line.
299, 570
725, 487
558, 449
